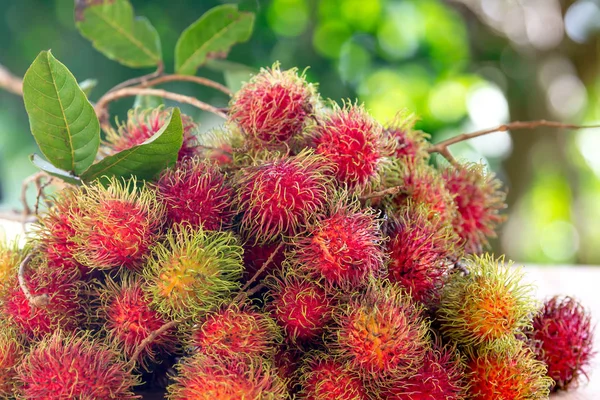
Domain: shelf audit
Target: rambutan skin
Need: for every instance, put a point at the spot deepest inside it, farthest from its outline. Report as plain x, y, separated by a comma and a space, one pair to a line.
192, 271
479, 201
380, 332
74, 367
323, 377
9, 265
119, 225
344, 248
203, 377
409, 142
421, 248
256, 255
506, 369
128, 319
12, 350
486, 304
564, 332
235, 331
354, 142
274, 106
196, 192
280, 197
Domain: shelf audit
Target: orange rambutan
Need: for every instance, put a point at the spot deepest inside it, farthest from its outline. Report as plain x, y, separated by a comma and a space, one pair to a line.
479, 200
12, 350
196, 192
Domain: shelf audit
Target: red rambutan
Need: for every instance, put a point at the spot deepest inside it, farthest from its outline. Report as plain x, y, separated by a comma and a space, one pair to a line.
380, 332
301, 306
74, 367
354, 143
196, 192
506, 369
565, 335
280, 197
323, 377
344, 249
141, 125
11, 353
235, 331
421, 248
409, 142
274, 106
488, 303
120, 224
478, 200
256, 255
203, 377
128, 319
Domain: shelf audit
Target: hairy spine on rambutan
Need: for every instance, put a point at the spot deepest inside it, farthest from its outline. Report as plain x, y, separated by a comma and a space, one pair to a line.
324, 377
192, 271
237, 330
479, 200
12, 350
274, 107
280, 197
343, 248
196, 192
9, 265
409, 142
488, 303
141, 125
564, 332
202, 377
381, 332
301, 306
421, 249
354, 143
128, 319
74, 367
506, 369
120, 224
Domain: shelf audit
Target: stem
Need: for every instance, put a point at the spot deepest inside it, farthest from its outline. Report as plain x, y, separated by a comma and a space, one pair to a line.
140, 79
10, 82
269, 260
144, 343
36, 301
35, 178
187, 78
391, 191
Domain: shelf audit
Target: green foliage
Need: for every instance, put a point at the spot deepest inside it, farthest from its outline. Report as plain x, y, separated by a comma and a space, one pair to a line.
62, 120
211, 36
112, 28
52, 170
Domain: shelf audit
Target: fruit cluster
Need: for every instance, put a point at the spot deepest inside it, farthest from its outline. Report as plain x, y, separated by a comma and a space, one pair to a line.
302, 250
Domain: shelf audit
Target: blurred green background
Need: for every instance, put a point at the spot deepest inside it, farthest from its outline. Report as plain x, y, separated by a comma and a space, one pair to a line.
460, 65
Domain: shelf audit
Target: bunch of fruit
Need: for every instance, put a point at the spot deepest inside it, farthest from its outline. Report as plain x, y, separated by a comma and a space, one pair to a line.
302, 250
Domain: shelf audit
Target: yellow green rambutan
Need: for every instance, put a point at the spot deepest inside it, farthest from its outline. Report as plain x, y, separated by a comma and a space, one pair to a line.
12, 350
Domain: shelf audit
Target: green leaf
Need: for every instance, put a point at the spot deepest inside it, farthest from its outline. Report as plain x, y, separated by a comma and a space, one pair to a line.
145, 160
114, 31
52, 170
212, 36
62, 120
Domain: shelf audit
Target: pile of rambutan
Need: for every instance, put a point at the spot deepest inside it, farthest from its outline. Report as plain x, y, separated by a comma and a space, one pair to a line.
302, 250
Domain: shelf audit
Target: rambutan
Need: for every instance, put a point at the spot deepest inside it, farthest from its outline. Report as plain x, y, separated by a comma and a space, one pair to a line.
381, 332
193, 271
256, 255
410, 143
323, 377
479, 200
9, 265
354, 142
64, 301
120, 224
128, 319
421, 249
506, 369
344, 248
280, 197
141, 125
195, 192
274, 106
74, 367
237, 331
301, 306
203, 377
565, 335
12, 350
488, 303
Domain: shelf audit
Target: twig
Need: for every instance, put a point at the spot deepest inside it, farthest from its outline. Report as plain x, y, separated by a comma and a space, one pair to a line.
187, 78
140, 79
255, 289
242, 292
40, 192
389, 191
10, 82
31, 178
36, 301
144, 343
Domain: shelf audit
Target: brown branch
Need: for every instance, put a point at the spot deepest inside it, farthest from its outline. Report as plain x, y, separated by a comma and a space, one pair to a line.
375, 195
10, 82
263, 267
144, 343
187, 78
36, 301
35, 178
140, 79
